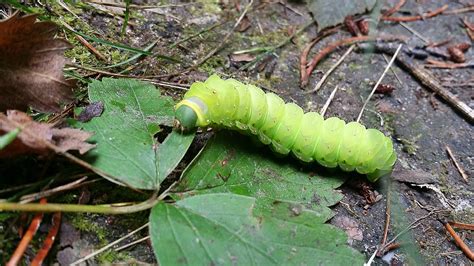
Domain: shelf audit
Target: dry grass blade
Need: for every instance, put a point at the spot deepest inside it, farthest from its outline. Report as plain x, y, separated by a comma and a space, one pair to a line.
378, 82
31, 65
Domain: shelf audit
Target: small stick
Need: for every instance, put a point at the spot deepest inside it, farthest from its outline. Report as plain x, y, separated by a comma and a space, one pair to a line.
459, 10
326, 75
415, 18
458, 166
93, 254
86, 44
467, 251
387, 221
440, 64
307, 49
48, 241
462, 225
328, 102
20, 249
348, 41
49, 192
429, 81
387, 248
394, 9
379, 81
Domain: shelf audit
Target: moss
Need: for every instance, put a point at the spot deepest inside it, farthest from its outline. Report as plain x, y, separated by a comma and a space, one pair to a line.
354, 66
79, 53
409, 145
212, 64
206, 7
85, 223
267, 39
110, 256
268, 82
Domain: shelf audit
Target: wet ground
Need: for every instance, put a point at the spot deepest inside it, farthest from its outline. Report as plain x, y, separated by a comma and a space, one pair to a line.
420, 123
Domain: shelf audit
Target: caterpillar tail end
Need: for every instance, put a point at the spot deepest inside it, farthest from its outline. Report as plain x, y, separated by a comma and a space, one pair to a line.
373, 177
185, 118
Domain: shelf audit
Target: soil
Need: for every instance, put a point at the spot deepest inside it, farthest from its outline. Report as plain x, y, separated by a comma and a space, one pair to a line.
421, 124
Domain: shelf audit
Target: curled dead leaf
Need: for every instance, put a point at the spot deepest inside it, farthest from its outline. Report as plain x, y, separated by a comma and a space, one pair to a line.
34, 136
31, 65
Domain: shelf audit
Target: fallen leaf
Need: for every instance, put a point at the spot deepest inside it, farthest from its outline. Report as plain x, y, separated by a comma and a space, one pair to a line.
34, 136
92, 110
351, 227
384, 89
413, 176
246, 57
244, 24
31, 65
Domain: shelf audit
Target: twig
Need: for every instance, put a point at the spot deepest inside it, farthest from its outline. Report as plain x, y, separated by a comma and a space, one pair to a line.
429, 81
77, 262
394, 9
328, 102
344, 42
378, 82
326, 75
20, 249
307, 49
48, 241
459, 10
86, 44
461, 225
415, 18
467, 251
409, 227
440, 64
49, 192
458, 166
387, 222
132, 243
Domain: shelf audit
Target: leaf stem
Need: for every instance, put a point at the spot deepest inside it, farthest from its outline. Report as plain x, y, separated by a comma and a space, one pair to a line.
109, 209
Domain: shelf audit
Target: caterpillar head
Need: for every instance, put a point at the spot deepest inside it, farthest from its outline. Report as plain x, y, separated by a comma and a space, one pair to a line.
189, 114
185, 118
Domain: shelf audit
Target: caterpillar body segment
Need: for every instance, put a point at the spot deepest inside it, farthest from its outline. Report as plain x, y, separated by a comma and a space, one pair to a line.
285, 127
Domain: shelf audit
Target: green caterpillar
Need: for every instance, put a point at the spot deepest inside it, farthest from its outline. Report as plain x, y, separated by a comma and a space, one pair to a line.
285, 127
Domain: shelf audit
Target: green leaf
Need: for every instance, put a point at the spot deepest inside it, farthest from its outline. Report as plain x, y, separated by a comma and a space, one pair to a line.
229, 164
328, 13
223, 229
8, 138
240, 205
126, 146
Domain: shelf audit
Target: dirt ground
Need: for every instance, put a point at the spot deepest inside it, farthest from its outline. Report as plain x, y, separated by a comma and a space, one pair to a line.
425, 182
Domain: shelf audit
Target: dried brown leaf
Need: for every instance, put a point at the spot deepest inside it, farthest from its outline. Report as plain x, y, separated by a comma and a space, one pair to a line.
34, 136
31, 65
